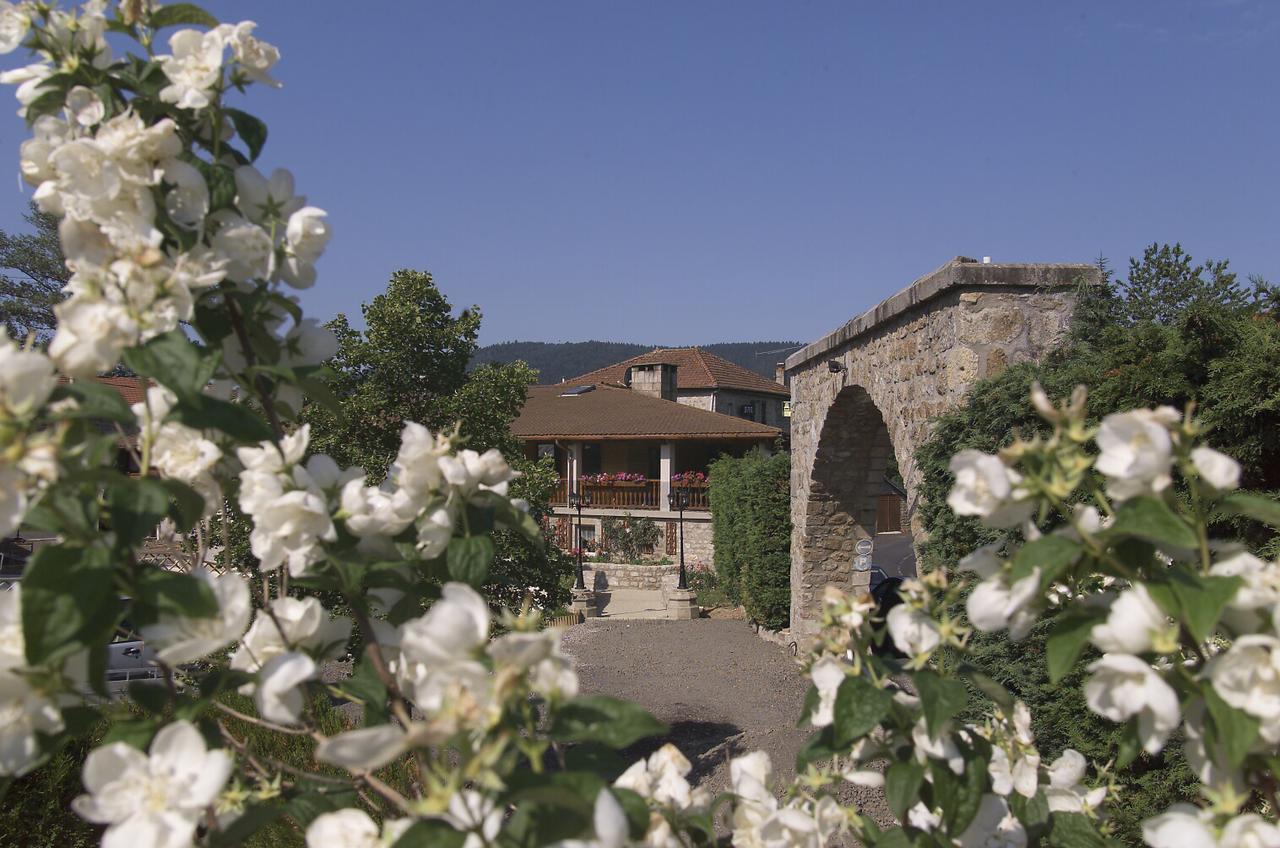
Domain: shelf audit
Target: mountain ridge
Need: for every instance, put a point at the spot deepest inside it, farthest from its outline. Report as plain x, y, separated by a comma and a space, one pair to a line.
558, 361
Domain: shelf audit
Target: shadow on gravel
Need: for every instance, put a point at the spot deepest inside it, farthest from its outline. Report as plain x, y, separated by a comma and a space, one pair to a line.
705, 743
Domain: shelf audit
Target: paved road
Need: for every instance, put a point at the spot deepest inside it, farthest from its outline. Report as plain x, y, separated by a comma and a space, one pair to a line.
722, 690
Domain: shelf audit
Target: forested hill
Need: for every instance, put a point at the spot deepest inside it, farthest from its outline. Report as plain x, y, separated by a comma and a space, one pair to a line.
555, 361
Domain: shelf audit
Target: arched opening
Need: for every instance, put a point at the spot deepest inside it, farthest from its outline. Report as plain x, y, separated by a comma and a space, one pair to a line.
852, 478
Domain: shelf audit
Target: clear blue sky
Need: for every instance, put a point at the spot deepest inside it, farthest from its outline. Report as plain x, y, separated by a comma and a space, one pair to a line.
722, 171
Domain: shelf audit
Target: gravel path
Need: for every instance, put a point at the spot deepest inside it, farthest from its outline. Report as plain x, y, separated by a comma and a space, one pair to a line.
722, 690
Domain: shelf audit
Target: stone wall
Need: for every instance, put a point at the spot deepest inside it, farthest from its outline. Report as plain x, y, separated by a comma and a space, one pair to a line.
603, 576
900, 364
698, 546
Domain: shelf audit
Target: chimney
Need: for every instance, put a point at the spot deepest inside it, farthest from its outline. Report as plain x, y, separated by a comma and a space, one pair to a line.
780, 373
657, 380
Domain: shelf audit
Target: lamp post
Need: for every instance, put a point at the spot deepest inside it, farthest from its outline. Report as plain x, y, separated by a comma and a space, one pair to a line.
577, 500
678, 499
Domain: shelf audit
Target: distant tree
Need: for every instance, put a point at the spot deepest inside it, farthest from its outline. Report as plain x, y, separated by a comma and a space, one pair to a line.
410, 364
34, 272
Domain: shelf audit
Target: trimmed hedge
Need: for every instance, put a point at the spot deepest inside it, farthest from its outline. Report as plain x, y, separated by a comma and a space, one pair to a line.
751, 531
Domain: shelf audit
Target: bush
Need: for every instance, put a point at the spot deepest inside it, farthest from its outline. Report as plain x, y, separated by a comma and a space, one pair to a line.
1173, 334
751, 531
631, 538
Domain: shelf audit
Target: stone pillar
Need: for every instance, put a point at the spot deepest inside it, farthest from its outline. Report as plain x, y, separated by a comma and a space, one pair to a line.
584, 601
666, 460
682, 605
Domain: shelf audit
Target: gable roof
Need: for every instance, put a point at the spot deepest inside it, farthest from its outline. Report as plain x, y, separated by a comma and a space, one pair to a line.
131, 389
613, 412
695, 369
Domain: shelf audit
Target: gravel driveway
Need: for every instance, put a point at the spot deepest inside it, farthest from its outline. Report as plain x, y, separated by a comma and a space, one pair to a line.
722, 690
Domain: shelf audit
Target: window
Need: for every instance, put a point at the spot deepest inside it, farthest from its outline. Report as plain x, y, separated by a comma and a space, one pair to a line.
747, 411
588, 538
591, 459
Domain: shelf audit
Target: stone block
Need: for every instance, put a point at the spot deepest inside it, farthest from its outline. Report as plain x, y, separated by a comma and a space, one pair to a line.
584, 601
682, 605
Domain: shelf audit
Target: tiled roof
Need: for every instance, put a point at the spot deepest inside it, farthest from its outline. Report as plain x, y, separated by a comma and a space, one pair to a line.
132, 389
695, 369
613, 412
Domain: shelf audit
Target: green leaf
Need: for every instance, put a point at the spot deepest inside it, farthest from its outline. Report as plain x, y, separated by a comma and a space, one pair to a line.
94, 400
1033, 812
181, 14
252, 130
1152, 520
469, 558
1257, 507
811, 698
986, 684
819, 746
137, 504
1051, 554
1235, 729
969, 790
860, 706
236, 420
940, 698
151, 697
173, 361
1129, 746
1202, 599
249, 822
902, 786
173, 593
365, 686
599, 718
309, 805
69, 602
1070, 635
1074, 830
136, 732
187, 505
430, 833
895, 837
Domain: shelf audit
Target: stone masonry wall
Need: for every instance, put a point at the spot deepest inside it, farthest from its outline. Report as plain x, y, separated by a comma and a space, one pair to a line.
603, 576
907, 360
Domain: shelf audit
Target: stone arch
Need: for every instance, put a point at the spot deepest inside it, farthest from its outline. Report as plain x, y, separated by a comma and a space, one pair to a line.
849, 465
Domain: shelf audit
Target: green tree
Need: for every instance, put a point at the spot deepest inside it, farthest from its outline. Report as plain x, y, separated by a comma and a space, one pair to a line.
34, 272
410, 364
751, 529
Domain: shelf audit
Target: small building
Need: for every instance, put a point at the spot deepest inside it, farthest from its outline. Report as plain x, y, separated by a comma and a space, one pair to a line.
626, 447
705, 381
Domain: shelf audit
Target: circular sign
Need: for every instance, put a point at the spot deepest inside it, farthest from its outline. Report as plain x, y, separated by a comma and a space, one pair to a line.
863, 547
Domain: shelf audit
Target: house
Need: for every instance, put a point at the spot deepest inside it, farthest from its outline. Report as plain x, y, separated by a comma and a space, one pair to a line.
626, 445
705, 381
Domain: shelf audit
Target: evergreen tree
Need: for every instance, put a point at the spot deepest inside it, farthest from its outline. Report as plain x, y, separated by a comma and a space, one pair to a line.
34, 272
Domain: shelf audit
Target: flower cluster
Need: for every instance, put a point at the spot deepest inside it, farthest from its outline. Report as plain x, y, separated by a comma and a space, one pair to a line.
606, 478
28, 452
690, 478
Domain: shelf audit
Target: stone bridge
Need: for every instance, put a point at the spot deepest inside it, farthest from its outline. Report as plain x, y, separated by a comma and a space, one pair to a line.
870, 389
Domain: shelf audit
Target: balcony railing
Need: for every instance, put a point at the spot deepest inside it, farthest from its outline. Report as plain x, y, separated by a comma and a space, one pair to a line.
644, 495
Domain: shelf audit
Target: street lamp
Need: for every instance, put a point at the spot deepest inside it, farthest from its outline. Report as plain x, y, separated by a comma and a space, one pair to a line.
577, 500
678, 499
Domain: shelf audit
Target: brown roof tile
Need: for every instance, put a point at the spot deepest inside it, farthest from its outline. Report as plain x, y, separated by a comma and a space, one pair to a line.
132, 389
612, 412
695, 369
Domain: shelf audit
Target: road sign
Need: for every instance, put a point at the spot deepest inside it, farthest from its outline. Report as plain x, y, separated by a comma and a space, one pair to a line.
864, 547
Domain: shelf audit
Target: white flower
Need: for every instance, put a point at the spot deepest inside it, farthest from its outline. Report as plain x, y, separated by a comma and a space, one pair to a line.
90, 336
363, 749
292, 623
13, 499
263, 200
940, 747
188, 201
1020, 774
256, 58
1132, 622
476, 814
983, 561
194, 69
1137, 451
610, 823
24, 712
435, 530
993, 827
181, 639
1216, 468
1211, 767
827, 675
1247, 677
1250, 831
278, 694
993, 606
1065, 792
454, 628
310, 343
376, 511
30, 81
84, 106
922, 818
305, 238
662, 778
469, 472
550, 671
913, 632
417, 467
1181, 826
26, 379
987, 488
352, 828
1124, 686
154, 799
248, 249
15, 20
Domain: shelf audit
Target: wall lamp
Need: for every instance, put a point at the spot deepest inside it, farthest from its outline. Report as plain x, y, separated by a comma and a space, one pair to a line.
836, 366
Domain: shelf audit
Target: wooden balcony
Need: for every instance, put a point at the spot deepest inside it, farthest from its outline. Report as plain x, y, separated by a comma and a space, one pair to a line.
613, 495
